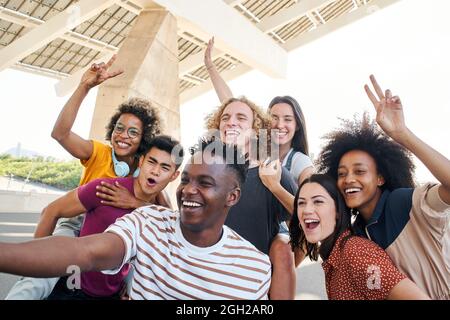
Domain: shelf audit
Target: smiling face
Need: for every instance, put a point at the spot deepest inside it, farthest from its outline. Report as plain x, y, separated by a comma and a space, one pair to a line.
283, 119
236, 123
121, 142
359, 181
316, 212
206, 191
157, 169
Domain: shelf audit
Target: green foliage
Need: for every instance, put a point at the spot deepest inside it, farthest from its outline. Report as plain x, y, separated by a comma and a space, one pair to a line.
59, 174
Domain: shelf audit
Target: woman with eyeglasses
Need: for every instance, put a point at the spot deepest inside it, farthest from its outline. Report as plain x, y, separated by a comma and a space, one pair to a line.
129, 131
134, 124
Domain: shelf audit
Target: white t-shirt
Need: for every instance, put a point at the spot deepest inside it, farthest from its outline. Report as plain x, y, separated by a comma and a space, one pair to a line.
300, 162
167, 266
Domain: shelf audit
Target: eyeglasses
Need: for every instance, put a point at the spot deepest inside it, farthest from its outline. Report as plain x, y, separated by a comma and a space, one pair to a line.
131, 132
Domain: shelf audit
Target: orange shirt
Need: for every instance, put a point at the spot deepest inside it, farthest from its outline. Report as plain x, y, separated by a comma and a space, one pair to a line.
359, 270
99, 165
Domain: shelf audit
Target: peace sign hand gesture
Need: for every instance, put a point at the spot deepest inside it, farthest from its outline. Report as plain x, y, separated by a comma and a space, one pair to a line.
98, 73
389, 110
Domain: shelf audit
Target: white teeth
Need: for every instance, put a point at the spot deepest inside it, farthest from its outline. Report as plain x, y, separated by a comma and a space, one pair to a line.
232, 133
351, 190
123, 145
191, 204
312, 220
281, 134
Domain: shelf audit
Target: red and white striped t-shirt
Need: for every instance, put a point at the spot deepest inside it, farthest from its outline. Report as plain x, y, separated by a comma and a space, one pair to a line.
167, 266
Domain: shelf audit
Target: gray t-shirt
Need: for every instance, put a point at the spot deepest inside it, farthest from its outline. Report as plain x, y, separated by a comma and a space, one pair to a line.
257, 215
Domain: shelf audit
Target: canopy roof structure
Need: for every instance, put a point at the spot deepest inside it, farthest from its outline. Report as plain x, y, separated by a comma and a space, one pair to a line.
60, 39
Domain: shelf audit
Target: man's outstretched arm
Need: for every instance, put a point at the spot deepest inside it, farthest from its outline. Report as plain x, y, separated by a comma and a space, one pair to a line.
51, 256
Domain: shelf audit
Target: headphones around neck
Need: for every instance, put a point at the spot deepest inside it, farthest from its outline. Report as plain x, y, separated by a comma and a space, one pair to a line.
121, 168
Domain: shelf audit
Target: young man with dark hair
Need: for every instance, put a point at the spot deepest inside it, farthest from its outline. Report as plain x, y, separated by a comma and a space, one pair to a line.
158, 167
185, 255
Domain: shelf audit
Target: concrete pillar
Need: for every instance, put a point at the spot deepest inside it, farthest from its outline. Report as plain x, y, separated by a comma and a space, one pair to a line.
149, 56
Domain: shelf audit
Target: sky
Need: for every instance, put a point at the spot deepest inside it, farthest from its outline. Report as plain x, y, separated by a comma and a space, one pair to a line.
406, 46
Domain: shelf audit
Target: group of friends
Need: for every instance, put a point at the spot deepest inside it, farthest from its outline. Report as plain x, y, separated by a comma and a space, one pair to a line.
244, 223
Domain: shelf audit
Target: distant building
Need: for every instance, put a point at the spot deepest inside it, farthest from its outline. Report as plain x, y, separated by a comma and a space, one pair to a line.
19, 152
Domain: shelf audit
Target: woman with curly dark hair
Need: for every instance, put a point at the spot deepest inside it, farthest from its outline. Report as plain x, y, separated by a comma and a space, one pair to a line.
144, 111
129, 130
374, 173
355, 268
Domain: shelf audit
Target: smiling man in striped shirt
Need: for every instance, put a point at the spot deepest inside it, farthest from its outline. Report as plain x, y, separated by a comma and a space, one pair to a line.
185, 255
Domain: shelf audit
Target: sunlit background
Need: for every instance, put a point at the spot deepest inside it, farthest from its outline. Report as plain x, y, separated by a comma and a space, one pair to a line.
406, 45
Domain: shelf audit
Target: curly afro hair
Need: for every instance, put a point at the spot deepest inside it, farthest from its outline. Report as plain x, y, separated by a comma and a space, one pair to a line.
148, 115
394, 162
